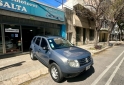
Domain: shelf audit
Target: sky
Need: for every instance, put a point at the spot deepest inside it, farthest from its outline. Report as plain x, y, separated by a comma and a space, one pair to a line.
54, 3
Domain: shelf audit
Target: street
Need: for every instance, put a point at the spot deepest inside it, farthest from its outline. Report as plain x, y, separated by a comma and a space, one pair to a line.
107, 70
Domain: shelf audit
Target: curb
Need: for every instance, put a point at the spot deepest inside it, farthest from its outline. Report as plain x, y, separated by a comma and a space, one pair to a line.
102, 50
25, 77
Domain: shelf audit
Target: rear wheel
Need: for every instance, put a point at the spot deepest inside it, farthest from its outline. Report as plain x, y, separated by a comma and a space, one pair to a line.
32, 55
55, 72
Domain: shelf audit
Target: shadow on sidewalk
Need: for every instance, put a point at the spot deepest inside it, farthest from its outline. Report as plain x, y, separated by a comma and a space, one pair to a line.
83, 76
13, 65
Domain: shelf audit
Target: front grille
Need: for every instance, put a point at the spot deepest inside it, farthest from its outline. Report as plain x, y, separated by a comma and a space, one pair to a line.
84, 60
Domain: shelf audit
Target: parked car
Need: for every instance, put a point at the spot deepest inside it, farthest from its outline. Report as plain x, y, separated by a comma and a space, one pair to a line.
8, 43
61, 57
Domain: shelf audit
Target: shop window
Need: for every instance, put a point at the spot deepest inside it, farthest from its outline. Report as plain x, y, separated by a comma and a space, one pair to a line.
40, 31
56, 31
48, 31
12, 38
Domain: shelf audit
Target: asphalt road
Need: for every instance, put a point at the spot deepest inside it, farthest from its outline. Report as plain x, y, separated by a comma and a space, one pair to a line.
107, 70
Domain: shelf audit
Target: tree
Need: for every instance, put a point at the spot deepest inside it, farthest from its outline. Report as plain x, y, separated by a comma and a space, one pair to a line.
113, 14
98, 8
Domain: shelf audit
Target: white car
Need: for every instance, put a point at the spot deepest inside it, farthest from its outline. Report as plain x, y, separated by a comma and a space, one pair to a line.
8, 43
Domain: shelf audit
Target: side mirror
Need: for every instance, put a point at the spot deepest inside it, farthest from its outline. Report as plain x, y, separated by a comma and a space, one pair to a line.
45, 48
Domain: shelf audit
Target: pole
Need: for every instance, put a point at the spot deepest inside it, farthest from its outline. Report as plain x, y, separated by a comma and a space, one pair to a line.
62, 4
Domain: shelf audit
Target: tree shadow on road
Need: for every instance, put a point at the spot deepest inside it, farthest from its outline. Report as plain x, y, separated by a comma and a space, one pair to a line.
83, 76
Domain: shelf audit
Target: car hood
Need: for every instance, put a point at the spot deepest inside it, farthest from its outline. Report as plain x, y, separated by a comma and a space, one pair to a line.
73, 52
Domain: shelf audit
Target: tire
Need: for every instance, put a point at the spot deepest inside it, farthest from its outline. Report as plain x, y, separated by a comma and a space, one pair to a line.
32, 55
55, 72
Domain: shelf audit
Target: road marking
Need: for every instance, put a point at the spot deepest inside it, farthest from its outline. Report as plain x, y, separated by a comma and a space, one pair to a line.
113, 74
104, 72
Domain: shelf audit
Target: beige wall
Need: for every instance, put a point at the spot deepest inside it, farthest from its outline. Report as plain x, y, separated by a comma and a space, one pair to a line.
73, 21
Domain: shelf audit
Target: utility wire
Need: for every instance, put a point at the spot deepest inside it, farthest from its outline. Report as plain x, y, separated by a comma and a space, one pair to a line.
62, 4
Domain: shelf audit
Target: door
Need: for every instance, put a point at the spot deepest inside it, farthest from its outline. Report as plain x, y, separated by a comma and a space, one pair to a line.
37, 47
44, 53
84, 35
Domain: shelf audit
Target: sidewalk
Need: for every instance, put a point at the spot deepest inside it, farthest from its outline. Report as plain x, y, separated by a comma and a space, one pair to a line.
18, 69
92, 50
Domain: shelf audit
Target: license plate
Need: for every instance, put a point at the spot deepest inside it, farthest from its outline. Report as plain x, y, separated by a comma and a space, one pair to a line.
88, 67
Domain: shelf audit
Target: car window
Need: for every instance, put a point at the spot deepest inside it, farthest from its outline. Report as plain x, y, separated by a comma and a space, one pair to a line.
44, 43
58, 43
34, 39
38, 41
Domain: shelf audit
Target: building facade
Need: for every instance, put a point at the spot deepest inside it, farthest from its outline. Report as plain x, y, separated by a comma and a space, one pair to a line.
21, 20
80, 29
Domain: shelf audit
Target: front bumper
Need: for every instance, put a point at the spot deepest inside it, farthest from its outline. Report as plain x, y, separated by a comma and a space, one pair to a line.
72, 72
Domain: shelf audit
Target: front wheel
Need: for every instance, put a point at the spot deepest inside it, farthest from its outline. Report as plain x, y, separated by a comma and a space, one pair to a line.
55, 72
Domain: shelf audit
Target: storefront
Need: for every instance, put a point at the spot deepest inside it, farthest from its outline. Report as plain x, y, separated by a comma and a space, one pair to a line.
21, 20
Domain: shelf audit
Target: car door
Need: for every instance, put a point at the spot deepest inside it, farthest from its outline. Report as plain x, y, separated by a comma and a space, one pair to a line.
44, 53
37, 46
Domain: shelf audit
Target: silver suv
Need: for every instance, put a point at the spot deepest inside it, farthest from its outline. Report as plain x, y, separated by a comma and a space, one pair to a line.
61, 57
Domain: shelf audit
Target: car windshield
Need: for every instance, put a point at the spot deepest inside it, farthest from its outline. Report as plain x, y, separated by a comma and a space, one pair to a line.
58, 43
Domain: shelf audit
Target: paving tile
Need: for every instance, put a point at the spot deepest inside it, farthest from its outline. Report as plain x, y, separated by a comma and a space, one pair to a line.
7, 82
44, 71
1, 83
20, 79
34, 74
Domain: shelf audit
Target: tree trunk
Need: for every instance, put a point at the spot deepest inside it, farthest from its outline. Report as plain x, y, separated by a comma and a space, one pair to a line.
96, 37
97, 32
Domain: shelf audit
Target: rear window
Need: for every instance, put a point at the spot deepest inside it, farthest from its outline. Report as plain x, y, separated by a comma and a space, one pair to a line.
34, 39
38, 41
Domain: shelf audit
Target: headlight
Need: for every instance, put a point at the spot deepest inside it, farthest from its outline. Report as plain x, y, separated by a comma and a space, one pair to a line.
73, 63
